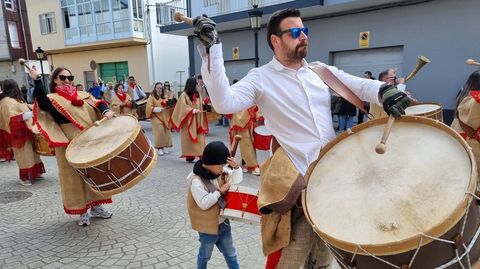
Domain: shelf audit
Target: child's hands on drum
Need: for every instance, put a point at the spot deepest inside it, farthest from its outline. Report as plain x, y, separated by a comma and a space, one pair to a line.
109, 114
232, 162
224, 188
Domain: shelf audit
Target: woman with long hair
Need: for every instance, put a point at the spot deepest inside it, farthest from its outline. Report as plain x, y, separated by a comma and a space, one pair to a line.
159, 111
16, 137
191, 121
61, 115
121, 103
467, 114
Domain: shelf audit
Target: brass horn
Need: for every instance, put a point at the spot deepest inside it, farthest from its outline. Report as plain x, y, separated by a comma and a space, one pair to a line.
422, 60
472, 62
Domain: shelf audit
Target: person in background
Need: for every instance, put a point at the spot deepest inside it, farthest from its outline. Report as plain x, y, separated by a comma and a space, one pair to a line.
96, 90
345, 114
79, 87
134, 90
467, 114
121, 103
159, 111
207, 184
366, 105
109, 92
16, 136
188, 118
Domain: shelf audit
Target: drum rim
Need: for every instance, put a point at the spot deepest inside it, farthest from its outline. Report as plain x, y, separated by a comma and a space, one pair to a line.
430, 113
105, 158
410, 243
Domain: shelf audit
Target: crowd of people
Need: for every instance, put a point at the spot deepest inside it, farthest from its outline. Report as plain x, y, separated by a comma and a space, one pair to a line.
288, 239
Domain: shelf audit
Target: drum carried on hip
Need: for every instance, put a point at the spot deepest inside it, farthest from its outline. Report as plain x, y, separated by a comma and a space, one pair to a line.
113, 156
433, 111
40, 143
141, 106
411, 207
262, 138
242, 205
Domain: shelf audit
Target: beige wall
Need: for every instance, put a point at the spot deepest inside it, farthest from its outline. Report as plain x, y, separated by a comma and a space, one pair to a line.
79, 62
50, 41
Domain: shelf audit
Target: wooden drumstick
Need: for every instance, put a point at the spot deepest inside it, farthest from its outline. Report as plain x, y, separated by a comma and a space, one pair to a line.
472, 62
236, 139
380, 148
22, 61
179, 17
98, 122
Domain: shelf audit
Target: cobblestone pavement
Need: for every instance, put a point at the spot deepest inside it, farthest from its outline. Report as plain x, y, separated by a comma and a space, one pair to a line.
149, 229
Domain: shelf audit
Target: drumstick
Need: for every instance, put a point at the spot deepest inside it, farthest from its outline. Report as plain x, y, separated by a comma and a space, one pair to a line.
21, 61
179, 17
380, 148
98, 122
472, 62
236, 139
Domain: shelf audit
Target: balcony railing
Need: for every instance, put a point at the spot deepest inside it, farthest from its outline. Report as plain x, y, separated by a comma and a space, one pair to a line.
210, 7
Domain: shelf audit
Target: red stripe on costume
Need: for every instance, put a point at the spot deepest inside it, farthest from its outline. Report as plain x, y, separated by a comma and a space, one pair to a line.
67, 115
177, 128
32, 173
476, 95
89, 205
273, 259
51, 143
19, 132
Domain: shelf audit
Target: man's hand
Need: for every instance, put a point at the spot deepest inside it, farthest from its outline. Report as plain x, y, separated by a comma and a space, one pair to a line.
204, 28
394, 100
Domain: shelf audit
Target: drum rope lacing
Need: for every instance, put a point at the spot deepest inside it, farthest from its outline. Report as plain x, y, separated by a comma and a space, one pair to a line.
114, 179
457, 258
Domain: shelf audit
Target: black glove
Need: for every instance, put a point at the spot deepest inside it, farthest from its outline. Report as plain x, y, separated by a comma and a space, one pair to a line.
204, 28
394, 100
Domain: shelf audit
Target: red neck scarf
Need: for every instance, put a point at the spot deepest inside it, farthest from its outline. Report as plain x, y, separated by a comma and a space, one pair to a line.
122, 96
70, 93
132, 84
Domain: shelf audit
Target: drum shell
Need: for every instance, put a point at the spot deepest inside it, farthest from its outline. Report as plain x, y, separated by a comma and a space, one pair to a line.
260, 141
131, 162
242, 205
141, 109
431, 253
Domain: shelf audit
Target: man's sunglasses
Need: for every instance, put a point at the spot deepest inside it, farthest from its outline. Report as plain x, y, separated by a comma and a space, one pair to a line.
295, 32
63, 78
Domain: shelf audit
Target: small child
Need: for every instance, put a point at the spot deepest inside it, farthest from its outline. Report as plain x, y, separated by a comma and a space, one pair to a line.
205, 200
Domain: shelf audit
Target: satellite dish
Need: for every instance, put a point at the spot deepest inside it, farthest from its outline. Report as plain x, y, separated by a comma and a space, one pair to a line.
93, 64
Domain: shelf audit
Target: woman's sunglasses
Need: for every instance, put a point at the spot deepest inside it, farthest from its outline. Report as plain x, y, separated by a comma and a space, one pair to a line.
63, 78
295, 32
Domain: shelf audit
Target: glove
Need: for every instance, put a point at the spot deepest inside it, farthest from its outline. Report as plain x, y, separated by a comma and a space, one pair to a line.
27, 115
196, 111
204, 29
157, 109
394, 100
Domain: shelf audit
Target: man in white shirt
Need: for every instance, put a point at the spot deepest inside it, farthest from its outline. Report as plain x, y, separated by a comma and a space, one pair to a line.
295, 103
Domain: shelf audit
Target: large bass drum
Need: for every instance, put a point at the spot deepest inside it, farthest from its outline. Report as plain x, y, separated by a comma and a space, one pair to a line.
412, 207
113, 156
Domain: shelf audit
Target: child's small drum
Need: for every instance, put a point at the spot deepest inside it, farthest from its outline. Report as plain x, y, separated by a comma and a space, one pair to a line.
433, 111
40, 143
141, 109
242, 205
412, 207
262, 138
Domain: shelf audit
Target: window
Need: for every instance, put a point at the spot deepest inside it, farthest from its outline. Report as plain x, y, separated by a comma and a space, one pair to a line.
10, 5
13, 31
137, 15
47, 23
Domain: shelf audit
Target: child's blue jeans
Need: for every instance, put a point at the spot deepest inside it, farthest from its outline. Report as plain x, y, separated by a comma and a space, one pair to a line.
224, 242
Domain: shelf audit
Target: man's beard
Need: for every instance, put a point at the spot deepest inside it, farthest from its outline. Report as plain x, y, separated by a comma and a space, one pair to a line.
300, 51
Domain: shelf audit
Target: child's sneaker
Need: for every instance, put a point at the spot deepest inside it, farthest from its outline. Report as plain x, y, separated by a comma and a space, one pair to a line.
256, 171
84, 220
160, 152
25, 182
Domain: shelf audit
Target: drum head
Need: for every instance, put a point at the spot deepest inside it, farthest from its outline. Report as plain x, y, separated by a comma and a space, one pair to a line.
421, 109
384, 201
98, 144
262, 130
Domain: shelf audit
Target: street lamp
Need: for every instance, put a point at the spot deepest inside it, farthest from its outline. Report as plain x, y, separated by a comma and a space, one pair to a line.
40, 54
256, 23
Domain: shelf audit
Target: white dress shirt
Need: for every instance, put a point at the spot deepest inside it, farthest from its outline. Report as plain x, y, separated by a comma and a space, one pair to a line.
294, 103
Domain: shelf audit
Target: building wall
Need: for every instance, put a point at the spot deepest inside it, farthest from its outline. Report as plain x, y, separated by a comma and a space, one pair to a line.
50, 41
441, 31
79, 62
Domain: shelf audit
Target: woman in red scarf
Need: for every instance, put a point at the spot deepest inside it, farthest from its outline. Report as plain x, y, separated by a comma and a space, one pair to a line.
16, 136
60, 116
121, 102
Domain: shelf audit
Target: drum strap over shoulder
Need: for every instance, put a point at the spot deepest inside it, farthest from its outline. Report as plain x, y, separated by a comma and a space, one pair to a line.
469, 131
337, 86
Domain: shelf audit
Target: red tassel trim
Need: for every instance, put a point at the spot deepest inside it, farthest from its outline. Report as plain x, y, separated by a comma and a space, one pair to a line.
67, 115
84, 210
51, 143
273, 259
32, 173
476, 95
